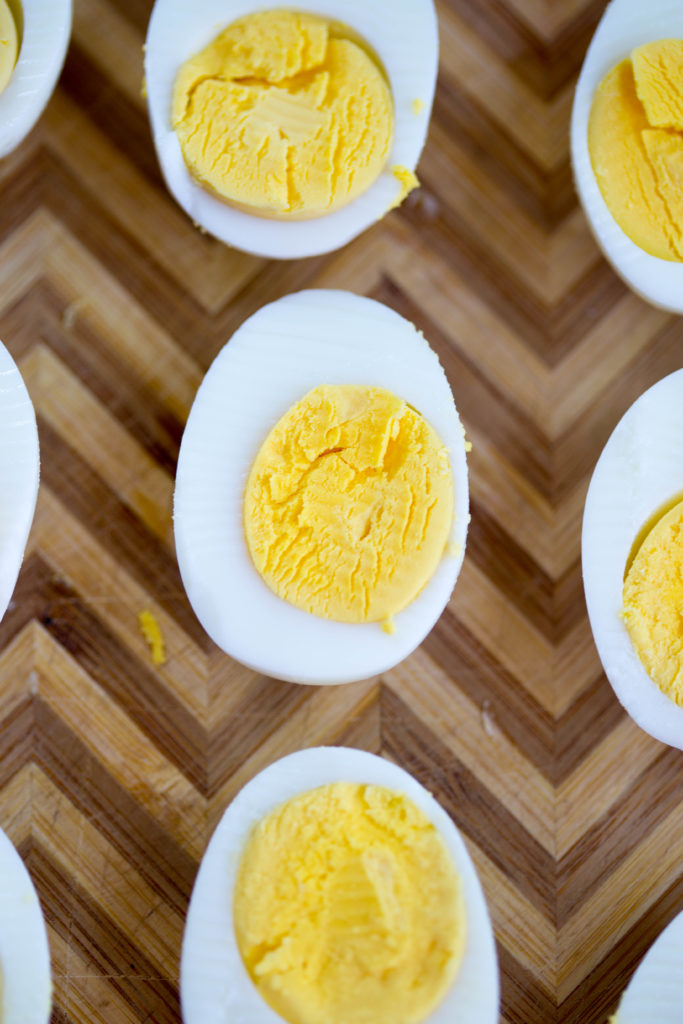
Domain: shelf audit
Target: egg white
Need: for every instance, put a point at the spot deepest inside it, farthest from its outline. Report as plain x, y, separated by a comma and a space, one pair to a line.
24, 955
639, 470
655, 992
273, 360
19, 472
215, 987
43, 45
404, 37
625, 25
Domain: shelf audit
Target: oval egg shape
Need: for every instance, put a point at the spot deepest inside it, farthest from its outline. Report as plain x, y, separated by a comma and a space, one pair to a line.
405, 40
283, 351
214, 983
19, 473
25, 986
625, 25
44, 38
639, 472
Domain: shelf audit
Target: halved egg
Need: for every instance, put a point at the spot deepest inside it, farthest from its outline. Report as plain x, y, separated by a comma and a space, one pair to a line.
404, 39
25, 986
44, 29
655, 992
214, 983
282, 352
19, 472
638, 475
625, 25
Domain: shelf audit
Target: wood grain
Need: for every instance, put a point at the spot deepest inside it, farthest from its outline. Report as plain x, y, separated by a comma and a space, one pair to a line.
113, 772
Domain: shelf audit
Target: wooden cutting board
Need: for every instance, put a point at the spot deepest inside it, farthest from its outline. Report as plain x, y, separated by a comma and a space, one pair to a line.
113, 771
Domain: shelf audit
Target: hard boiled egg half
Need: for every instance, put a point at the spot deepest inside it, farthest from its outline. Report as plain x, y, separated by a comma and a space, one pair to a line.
402, 36
639, 473
655, 992
214, 983
25, 987
43, 30
282, 352
19, 472
625, 25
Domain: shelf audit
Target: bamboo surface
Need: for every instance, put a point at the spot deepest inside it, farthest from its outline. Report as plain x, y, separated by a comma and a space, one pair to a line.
113, 772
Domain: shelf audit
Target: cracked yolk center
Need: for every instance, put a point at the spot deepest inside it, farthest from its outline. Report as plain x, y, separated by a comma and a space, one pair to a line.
635, 139
349, 504
348, 908
283, 115
653, 603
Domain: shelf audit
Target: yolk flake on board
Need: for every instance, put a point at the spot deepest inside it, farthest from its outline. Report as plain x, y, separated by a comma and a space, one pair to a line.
653, 603
348, 908
283, 115
635, 139
349, 504
150, 629
9, 44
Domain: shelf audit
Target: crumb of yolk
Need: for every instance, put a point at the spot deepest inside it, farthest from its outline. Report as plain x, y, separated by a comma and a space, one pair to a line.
348, 908
653, 603
408, 181
635, 140
284, 115
349, 504
150, 629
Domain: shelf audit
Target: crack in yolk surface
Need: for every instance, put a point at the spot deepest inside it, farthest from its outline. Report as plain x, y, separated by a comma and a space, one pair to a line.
348, 908
635, 139
284, 116
349, 504
653, 603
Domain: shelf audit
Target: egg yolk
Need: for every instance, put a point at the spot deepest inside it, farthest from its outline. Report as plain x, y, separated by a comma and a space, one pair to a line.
348, 909
653, 603
9, 44
349, 504
284, 115
635, 139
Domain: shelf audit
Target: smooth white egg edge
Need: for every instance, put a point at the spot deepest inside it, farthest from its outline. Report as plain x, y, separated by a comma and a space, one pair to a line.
46, 33
19, 473
640, 468
406, 43
625, 25
324, 337
214, 984
655, 992
24, 954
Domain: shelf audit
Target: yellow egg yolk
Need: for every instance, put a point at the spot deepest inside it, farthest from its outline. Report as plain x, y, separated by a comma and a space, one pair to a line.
349, 504
635, 139
407, 180
653, 603
9, 44
151, 630
348, 910
283, 115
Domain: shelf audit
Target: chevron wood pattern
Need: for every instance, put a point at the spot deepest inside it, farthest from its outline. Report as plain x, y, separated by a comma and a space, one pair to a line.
113, 771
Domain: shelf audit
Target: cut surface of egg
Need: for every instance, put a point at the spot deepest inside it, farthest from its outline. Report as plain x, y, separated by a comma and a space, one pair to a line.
404, 39
282, 352
44, 32
19, 472
626, 25
215, 985
639, 474
25, 987
655, 992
